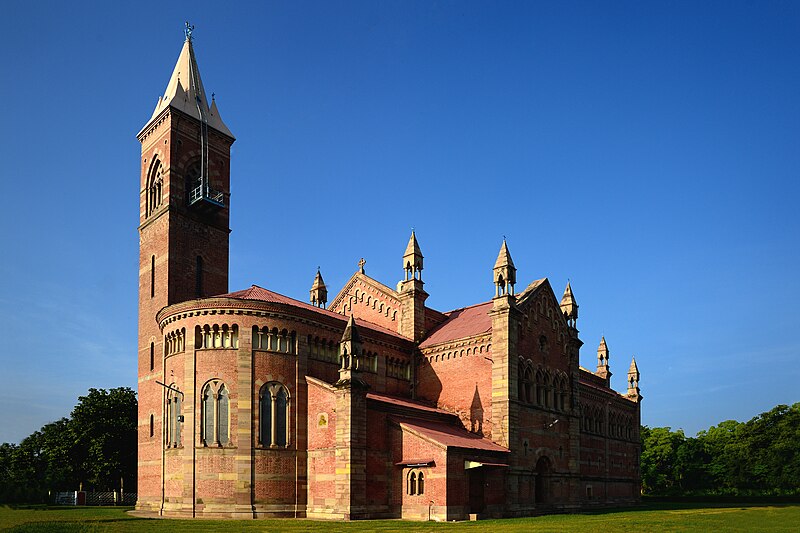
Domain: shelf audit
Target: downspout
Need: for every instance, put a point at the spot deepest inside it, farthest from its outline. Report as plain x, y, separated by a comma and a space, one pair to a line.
297, 425
163, 429
194, 431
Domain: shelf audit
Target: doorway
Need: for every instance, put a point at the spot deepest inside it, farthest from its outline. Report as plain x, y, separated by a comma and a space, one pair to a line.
542, 480
477, 481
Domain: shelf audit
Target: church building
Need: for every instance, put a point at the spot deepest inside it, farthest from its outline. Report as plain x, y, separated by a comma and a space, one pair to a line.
366, 405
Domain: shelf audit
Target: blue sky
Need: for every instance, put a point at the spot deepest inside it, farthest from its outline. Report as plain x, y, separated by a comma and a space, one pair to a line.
647, 151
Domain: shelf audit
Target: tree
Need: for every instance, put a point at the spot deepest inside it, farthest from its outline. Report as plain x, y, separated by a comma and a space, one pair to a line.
104, 432
96, 446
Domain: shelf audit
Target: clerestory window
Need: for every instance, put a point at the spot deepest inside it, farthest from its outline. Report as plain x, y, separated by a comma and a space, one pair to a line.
215, 416
273, 407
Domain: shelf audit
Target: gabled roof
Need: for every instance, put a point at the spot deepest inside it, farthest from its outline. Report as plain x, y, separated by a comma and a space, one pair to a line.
461, 323
185, 93
358, 276
264, 295
449, 436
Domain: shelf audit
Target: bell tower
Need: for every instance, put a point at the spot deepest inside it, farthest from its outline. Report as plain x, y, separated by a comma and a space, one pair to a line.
184, 195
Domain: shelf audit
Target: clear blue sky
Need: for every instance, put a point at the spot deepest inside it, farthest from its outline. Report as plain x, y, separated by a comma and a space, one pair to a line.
648, 151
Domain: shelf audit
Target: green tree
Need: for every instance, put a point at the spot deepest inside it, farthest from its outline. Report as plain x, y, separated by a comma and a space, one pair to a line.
104, 432
96, 446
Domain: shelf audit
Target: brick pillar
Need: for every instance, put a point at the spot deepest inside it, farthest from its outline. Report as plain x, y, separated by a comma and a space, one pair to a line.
351, 448
245, 437
505, 416
573, 349
412, 315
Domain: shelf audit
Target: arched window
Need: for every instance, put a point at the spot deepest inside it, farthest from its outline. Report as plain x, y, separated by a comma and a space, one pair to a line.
539, 389
194, 183
543, 343
416, 483
198, 277
527, 385
153, 277
274, 415
174, 419
214, 429
154, 186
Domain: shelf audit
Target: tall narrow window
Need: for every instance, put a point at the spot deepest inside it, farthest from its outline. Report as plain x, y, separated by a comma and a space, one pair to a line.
152, 277
152, 355
173, 420
222, 415
274, 415
209, 437
282, 403
214, 418
152, 429
198, 280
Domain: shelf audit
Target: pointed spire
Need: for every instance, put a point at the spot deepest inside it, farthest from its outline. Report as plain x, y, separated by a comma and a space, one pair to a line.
504, 257
412, 259
603, 369
185, 91
633, 370
569, 306
633, 381
319, 292
351, 331
505, 273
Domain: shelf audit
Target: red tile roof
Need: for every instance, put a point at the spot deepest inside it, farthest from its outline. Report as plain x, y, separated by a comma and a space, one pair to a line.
261, 294
461, 323
404, 402
450, 436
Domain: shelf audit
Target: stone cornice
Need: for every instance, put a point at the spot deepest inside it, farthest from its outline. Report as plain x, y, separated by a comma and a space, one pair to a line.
222, 306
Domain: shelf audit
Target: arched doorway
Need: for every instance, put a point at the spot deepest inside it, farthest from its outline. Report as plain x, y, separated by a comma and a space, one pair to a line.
542, 480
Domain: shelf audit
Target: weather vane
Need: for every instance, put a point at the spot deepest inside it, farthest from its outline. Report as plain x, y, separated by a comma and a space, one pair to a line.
188, 31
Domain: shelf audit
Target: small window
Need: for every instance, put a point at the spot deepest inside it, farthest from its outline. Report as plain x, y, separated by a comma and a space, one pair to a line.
152, 355
153, 277
588, 492
416, 483
152, 428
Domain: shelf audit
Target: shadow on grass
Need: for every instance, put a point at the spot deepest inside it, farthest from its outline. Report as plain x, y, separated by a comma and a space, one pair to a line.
685, 505
45, 507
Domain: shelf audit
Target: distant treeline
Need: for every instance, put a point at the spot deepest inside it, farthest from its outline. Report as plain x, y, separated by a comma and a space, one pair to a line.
95, 446
760, 457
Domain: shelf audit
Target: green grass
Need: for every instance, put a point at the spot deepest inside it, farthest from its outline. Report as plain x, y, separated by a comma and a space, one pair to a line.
649, 517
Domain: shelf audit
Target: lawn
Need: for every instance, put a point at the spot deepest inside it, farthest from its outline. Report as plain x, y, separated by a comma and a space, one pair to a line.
651, 517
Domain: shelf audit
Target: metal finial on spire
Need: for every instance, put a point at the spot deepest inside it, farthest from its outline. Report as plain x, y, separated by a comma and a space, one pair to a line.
188, 31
